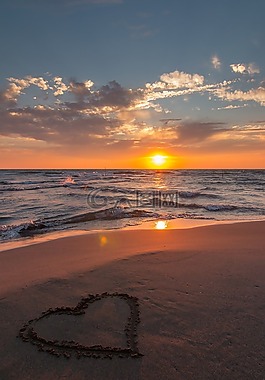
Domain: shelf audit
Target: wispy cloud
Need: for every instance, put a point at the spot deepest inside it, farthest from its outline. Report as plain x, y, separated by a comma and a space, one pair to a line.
243, 68
216, 63
256, 95
231, 107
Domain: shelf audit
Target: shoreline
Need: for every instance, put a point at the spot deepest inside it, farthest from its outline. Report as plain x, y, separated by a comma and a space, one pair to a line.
149, 225
62, 256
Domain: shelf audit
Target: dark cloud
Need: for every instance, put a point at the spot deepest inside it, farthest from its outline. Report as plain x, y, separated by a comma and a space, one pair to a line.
114, 95
62, 126
111, 95
195, 132
79, 89
5, 102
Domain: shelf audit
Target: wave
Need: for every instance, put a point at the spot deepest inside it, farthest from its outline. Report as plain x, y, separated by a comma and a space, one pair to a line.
111, 189
4, 218
188, 215
52, 172
37, 227
14, 231
27, 172
28, 182
196, 194
64, 193
108, 214
219, 207
68, 182
128, 172
13, 188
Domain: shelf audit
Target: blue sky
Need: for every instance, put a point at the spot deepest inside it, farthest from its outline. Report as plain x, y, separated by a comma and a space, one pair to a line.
201, 62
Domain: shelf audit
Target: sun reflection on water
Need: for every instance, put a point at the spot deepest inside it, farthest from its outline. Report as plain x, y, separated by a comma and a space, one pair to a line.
161, 225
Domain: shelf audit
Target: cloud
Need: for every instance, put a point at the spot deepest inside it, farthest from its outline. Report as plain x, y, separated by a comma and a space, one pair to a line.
176, 80
112, 115
57, 126
114, 95
59, 86
93, 117
39, 82
257, 95
198, 137
5, 101
250, 128
111, 97
194, 132
243, 68
29, 80
9, 96
216, 63
16, 87
80, 89
231, 107
154, 92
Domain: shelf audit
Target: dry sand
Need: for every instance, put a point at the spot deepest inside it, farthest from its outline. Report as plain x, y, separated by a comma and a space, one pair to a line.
201, 295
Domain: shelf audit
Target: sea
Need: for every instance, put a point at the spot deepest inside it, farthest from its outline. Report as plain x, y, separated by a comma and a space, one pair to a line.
35, 202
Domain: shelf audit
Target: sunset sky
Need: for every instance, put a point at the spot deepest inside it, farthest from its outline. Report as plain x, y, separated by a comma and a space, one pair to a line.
111, 83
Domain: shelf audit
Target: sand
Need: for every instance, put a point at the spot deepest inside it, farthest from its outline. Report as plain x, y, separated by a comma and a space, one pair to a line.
200, 291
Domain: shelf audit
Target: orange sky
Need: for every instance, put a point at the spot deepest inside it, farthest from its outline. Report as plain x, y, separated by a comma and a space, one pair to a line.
28, 158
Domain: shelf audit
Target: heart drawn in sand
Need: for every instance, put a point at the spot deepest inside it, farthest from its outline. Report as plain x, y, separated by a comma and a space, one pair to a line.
68, 347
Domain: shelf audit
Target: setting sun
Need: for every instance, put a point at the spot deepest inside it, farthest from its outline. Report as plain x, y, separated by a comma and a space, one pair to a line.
158, 160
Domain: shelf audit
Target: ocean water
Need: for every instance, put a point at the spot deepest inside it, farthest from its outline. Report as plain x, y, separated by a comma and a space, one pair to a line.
42, 201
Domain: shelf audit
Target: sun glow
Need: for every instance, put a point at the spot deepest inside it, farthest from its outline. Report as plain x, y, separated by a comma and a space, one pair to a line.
158, 160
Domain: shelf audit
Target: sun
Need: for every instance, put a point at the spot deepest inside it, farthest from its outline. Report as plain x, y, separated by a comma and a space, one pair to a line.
158, 160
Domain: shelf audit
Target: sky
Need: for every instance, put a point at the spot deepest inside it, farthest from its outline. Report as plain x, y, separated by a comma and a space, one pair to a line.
112, 83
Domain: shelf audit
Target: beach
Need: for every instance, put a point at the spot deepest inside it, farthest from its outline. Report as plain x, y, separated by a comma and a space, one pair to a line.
199, 292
